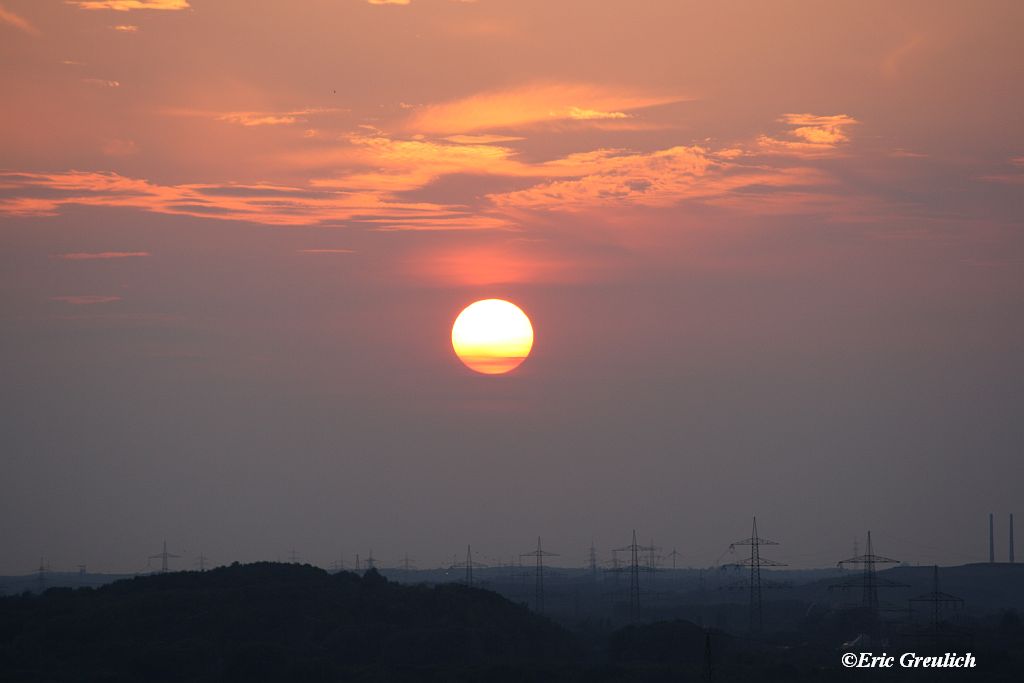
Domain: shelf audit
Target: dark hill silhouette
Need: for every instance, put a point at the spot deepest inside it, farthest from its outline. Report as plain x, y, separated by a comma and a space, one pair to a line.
274, 622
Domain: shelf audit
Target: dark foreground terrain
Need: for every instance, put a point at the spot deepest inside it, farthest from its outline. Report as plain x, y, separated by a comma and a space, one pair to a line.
286, 622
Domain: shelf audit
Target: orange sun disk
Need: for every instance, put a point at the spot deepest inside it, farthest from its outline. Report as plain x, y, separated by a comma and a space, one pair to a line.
492, 336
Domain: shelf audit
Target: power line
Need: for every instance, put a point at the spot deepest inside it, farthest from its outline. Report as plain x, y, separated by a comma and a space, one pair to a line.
468, 565
869, 582
755, 562
538, 589
164, 556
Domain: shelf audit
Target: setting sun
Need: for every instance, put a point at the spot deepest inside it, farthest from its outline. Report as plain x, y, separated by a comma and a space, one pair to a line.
492, 336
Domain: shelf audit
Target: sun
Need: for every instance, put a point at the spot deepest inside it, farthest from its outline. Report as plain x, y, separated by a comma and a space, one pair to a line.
492, 336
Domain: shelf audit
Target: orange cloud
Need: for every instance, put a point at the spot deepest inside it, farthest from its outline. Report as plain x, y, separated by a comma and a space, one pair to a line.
125, 28
42, 194
527, 105
327, 251
811, 136
102, 255
127, 5
389, 2
20, 23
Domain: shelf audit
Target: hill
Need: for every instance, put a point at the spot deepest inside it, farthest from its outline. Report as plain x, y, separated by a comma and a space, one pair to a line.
274, 622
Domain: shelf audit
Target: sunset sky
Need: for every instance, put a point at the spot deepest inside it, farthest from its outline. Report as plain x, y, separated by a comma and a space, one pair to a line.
773, 254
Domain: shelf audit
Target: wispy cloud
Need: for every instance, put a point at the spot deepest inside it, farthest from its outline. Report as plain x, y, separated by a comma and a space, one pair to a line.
86, 299
42, 194
102, 82
101, 255
262, 118
592, 114
11, 19
811, 135
531, 104
326, 251
125, 28
127, 5
389, 2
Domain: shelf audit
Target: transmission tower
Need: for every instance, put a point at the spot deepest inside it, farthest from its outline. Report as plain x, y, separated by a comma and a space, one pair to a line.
164, 556
468, 565
41, 575
407, 564
674, 555
634, 577
201, 561
755, 562
370, 561
869, 582
593, 562
538, 588
293, 557
938, 600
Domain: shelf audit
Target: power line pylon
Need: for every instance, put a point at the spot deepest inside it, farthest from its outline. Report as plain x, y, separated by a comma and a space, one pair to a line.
293, 557
41, 576
674, 555
164, 556
371, 562
593, 562
468, 565
938, 601
538, 587
634, 577
755, 562
869, 582
408, 564
201, 561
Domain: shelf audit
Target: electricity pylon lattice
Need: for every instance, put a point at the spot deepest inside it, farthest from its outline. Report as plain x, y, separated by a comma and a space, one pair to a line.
538, 588
468, 565
869, 582
938, 601
164, 556
755, 562
634, 575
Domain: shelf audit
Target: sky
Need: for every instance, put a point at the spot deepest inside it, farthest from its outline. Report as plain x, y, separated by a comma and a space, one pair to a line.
772, 253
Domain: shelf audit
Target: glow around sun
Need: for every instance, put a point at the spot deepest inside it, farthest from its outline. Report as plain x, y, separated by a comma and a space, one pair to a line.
492, 336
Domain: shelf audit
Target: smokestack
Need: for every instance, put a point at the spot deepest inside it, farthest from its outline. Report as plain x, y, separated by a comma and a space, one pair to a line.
991, 540
1011, 538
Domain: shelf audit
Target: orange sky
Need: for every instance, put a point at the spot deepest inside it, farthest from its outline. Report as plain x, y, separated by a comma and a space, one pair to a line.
241, 186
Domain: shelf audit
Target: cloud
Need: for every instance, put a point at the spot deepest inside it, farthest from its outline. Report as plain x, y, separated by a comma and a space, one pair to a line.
127, 5
264, 118
590, 114
811, 135
326, 251
20, 23
102, 255
86, 299
389, 2
46, 194
125, 28
102, 82
482, 139
526, 105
